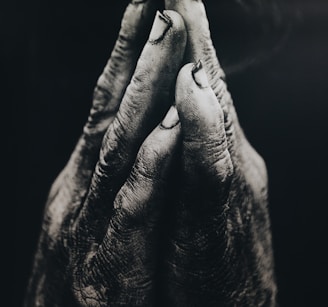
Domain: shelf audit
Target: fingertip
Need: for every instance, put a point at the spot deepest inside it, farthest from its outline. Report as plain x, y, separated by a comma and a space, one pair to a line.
199, 75
184, 76
200, 44
167, 23
160, 145
202, 121
171, 119
176, 19
193, 12
160, 27
195, 100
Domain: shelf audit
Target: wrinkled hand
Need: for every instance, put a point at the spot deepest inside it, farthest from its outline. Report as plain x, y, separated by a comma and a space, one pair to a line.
101, 235
220, 250
99, 245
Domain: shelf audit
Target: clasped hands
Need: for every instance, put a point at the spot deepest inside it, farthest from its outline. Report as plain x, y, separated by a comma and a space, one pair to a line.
163, 202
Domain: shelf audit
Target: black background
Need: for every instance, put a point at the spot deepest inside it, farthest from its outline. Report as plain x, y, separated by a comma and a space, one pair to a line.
56, 50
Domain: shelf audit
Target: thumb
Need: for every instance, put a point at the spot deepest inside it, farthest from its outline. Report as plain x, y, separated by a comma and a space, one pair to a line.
205, 153
149, 176
200, 47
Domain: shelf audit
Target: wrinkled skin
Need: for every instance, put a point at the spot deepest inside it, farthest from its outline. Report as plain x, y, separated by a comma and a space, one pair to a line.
158, 205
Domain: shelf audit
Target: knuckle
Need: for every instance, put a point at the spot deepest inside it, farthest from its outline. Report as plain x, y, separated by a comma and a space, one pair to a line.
124, 197
141, 77
100, 179
142, 171
214, 164
125, 38
223, 167
113, 145
129, 201
136, 193
103, 96
130, 219
146, 162
102, 90
213, 68
213, 155
132, 205
226, 103
103, 164
104, 107
123, 48
117, 131
224, 98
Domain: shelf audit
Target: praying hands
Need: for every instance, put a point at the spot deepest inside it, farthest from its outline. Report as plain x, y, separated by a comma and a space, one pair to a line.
163, 201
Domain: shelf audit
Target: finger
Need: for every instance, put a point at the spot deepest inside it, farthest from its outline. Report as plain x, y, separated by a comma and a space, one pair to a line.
207, 170
70, 187
129, 249
144, 190
109, 90
146, 100
112, 83
206, 157
200, 47
144, 104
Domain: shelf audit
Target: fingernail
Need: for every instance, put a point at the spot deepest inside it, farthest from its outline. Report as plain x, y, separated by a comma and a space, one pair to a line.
161, 25
199, 75
171, 119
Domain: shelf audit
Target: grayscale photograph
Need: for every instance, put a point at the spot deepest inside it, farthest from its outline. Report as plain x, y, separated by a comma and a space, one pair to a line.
170, 152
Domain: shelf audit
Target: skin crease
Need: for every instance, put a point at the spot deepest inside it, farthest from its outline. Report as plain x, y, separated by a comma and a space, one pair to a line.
101, 242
